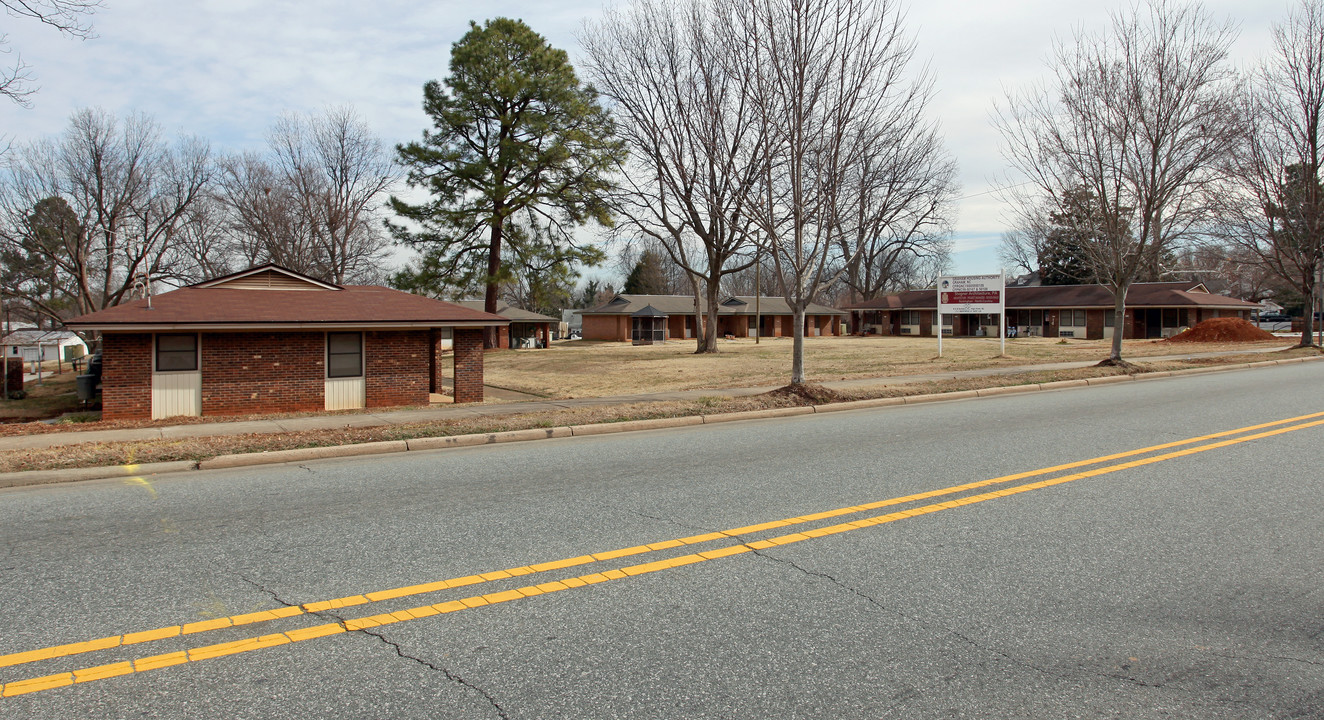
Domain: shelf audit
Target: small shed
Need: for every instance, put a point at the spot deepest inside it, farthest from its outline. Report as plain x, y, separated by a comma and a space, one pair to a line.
648, 325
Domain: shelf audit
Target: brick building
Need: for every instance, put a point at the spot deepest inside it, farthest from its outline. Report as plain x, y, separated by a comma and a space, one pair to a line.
528, 330
1153, 310
737, 316
268, 339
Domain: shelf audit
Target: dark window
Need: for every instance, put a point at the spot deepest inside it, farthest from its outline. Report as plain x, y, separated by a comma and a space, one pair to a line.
344, 354
176, 353
1170, 317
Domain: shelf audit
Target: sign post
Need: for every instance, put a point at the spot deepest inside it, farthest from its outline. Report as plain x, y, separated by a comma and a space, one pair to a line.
973, 295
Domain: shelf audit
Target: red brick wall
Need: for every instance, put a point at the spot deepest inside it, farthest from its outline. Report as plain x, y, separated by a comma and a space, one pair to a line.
607, 327
126, 376
396, 367
468, 365
263, 372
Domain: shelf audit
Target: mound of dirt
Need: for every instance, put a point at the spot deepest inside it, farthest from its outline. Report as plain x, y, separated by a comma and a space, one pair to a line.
813, 393
1223, 330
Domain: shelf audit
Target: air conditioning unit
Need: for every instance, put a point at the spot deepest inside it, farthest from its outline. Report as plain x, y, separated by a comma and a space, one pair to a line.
907, 330
1066, 333
946, 331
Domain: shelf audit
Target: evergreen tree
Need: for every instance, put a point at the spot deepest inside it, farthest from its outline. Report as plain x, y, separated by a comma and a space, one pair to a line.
514, 131
647, 277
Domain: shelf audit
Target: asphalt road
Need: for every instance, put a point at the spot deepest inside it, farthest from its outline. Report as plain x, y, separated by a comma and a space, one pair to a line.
1184, 581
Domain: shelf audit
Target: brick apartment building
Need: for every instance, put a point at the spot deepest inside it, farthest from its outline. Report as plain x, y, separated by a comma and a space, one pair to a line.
1153, 310
527, 330
268, 339
668, 317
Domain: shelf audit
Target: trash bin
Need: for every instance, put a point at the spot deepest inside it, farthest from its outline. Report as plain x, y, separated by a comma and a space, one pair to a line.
87, 387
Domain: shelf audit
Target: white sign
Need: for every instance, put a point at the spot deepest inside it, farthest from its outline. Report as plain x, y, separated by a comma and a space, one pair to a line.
970, 295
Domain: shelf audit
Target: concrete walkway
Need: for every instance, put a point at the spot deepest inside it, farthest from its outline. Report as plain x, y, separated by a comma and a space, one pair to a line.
446, 412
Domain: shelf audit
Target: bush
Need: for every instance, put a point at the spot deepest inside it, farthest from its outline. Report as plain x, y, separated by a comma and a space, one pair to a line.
17, 394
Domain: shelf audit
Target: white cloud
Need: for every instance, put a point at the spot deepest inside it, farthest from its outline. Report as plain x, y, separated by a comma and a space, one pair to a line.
226, 69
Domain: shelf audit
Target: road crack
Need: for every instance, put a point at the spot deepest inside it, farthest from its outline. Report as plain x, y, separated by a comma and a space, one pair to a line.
671, 520
446, 672
451, 676
931, 627
266, 590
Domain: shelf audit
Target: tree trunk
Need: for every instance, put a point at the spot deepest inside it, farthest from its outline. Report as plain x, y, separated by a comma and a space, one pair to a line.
700, 333
798, 346
493, 267
1308, 322
710, 329
1119, 323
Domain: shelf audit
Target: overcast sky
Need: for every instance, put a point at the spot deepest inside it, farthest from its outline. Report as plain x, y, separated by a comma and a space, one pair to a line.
225, 69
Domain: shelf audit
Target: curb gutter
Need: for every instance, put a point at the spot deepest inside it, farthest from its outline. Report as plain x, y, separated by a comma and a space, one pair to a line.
274, 457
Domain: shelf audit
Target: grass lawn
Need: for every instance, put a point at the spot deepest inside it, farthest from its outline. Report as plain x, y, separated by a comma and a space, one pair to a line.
56, 395
579, 368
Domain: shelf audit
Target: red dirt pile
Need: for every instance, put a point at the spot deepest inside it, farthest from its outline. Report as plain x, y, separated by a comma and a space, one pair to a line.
1223, 330
811, 393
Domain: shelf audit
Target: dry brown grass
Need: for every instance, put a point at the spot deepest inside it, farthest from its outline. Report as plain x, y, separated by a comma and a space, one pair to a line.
104, 454
590, 369
53, 396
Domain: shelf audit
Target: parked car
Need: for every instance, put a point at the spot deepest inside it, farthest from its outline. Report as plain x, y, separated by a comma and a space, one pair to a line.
1274, 317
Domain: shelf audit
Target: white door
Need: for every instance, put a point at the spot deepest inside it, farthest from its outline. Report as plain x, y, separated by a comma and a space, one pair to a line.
345, 393
345, 386
176, 375
176, 393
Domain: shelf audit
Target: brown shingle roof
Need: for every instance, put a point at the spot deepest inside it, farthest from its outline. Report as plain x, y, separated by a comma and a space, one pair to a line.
510, 312
1169, 294
353, 305
684, 305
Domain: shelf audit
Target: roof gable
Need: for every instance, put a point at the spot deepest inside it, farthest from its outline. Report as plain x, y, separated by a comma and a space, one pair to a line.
266, 277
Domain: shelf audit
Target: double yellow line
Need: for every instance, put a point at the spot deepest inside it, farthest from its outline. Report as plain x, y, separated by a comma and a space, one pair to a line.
153, 662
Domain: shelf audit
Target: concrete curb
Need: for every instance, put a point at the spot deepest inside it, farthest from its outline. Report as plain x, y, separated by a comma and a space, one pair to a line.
439, 443
302, 454
634, 425
42, 477
37, 477
758, 414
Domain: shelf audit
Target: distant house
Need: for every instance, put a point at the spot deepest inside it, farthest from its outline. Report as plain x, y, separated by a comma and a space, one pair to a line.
667, 317
1153, 310
268, 339
43, 345
527, 329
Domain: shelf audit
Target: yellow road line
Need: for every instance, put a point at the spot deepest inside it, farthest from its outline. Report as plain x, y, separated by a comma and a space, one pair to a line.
79, 648
235, 647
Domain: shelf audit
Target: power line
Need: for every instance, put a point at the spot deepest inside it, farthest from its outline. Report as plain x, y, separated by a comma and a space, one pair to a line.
989, 192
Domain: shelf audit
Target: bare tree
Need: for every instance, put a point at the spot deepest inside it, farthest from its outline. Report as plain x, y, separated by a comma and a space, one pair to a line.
263, 215
903, 227
842, 119
1137, 117
69, 17
693, 137
338, 172
315, 202
1272, 209
128, 193
1019, 250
